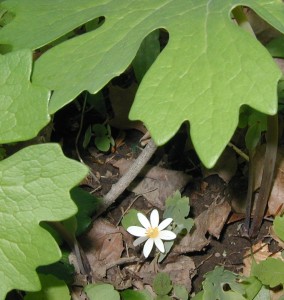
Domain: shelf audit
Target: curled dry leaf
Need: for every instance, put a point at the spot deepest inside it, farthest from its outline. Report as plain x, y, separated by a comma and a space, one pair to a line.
275, 202
157, 183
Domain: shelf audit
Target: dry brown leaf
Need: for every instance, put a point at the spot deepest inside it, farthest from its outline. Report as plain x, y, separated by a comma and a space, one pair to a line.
225, 167
211, 220
103, 245
276, 199
121, 102
181, 271
158, 183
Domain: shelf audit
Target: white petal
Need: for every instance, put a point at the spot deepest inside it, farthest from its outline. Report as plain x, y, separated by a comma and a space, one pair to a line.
165, 223
167, 235
159, 244
140, 240
148, 247
143, 220
154, 218
136, 230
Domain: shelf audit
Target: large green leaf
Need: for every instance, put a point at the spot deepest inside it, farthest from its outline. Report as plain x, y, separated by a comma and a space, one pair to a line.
23, 106
35, 184
209, 68
52, 289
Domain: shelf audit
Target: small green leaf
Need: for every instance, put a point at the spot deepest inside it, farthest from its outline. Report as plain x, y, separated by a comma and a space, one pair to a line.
130, 219
270, 272
101, 291
102, 143
252, 137
87, 204
162, 284
180, 292
135, 295
219, 279
99, 130
52, 289
87, 137
178, 208
163, 297
278, 226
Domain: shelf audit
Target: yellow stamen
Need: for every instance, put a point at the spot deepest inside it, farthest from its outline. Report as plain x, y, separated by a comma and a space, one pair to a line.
152, 232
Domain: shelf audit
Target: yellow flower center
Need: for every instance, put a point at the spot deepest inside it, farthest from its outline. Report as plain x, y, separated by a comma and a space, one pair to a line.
152, 232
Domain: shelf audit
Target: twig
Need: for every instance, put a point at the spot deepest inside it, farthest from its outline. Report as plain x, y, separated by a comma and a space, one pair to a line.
118, 188
239, 151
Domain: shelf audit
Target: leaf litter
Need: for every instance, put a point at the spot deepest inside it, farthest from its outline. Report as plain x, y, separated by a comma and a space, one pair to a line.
110, 250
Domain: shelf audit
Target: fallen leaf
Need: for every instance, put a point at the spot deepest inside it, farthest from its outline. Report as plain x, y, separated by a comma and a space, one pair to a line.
181, 271
103, 245
211, 220
157, 183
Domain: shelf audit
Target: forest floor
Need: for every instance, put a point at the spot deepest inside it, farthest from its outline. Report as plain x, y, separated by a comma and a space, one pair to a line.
218, 239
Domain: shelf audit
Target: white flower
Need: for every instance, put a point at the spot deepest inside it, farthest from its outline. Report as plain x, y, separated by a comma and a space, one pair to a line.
152, 232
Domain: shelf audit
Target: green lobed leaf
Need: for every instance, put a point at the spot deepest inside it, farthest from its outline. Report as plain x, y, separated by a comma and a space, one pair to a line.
197, 77
214, 284
177, 208
23, 106
52, 289
130, 219
35, 184
270, 272
87, 137
162, 284
278, 226
101, 291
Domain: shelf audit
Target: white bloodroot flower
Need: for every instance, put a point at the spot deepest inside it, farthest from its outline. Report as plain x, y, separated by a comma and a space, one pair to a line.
151, 232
